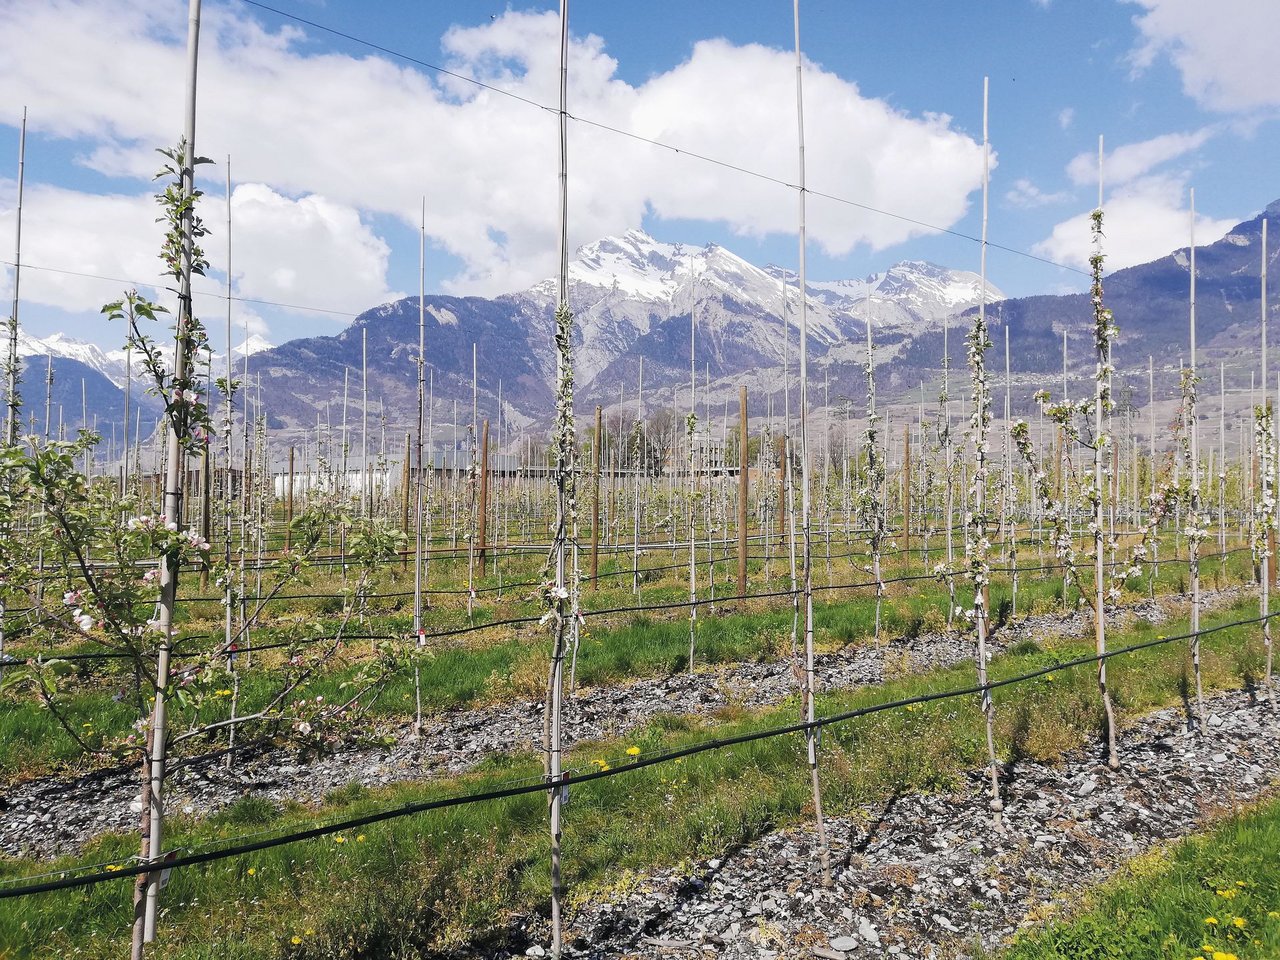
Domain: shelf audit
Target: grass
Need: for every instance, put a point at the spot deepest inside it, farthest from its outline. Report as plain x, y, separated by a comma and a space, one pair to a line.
1211, 897
506, 664
423, 882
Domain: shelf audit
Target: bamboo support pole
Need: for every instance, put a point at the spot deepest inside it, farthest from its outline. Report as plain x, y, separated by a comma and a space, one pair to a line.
744, 481
483, 505
595, 501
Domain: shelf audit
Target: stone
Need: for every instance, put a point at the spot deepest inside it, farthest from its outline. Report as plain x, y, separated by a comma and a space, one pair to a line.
868, 932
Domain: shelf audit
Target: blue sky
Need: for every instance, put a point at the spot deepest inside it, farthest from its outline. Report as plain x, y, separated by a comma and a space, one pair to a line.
333, 143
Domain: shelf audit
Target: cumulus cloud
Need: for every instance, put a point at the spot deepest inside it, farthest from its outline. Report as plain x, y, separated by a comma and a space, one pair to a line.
372, 136
1145, 220
309, 250
1028, 196
112, 236
1134, 160
1225, 51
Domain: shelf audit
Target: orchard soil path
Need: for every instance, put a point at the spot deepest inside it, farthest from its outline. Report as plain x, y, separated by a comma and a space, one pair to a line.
54, 815
928, 875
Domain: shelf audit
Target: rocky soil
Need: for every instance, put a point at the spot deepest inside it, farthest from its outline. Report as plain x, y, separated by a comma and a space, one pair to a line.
54, 815
929, 876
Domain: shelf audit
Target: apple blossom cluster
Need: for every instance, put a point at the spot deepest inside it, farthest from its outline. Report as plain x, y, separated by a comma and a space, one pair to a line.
1264, 516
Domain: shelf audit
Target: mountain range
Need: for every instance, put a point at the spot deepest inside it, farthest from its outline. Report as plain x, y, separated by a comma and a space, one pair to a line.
638, 301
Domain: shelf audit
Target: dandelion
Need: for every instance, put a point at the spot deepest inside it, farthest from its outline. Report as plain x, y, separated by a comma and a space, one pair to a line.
1240, 923
633, 751
1226, 894
251, 871
1211, 921
341, 839
360, 838
1219, 955
295, 940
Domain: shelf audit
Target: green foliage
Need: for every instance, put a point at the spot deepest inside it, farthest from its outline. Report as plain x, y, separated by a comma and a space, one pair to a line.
1213, 896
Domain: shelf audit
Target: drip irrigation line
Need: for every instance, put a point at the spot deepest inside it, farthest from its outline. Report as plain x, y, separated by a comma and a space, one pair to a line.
606, 611
8, 892
517, 585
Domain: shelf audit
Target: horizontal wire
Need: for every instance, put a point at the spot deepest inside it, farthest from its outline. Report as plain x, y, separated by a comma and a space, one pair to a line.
22, 889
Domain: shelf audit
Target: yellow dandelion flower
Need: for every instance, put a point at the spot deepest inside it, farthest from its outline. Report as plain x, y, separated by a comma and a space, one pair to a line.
1273, 915
251, 871
1211, 921
1219, 955
1226, 894
1240, 923
295, 940
633, 751
113, 867
360, 838
1241, 883
339, 839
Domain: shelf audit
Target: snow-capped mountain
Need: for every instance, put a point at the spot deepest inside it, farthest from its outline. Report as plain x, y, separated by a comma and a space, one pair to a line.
111, 364
635, 296
636, 301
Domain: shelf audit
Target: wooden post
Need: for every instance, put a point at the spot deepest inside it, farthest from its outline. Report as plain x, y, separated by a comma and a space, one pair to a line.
288, 507
595, 504
744, 482
484, 490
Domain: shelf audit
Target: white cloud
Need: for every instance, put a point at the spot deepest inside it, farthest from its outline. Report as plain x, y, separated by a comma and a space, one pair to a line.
308, 251
114, 236
1134, 160
1225, 50
1028, 196
1066, 117
372, 136
1145, 220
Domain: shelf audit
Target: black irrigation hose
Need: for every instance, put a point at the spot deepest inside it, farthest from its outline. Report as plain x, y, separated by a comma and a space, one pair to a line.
18, 611
720, 743
607, 611
621, 549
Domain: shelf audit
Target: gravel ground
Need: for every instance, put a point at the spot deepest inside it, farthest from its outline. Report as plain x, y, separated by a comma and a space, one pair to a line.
929, 876
54, 815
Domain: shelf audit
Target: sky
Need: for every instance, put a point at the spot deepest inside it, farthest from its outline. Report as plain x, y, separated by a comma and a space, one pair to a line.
339, 129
